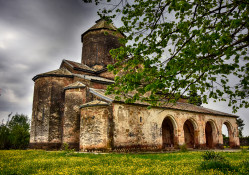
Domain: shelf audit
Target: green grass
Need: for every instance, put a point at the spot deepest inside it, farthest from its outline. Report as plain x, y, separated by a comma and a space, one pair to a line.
59, 162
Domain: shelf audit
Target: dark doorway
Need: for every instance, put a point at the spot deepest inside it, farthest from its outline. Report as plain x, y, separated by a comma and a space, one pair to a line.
189, 134
167, 133
209, 135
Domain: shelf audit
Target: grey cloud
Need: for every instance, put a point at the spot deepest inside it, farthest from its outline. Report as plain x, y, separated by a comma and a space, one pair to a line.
45, 32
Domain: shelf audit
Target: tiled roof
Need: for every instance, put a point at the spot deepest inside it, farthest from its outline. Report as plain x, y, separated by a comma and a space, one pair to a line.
177, 106
194, 108
78, 65
74, 85
62, 72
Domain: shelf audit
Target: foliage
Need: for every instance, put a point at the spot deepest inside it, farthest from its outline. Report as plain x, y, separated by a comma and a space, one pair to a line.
243, 150
15, 133
223, 166
4, 137
56, 162
244, 166
181, 47
211, 155
240, 123
183, 148
67, 150
213, 160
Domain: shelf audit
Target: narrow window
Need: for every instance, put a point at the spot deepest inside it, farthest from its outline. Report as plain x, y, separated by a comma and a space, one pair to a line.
43, 114
140, 119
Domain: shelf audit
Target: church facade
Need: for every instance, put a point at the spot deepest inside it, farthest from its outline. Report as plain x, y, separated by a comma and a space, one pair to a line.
70, 107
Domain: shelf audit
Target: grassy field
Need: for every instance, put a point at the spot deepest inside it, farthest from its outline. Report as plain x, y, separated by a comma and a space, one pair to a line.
59, 162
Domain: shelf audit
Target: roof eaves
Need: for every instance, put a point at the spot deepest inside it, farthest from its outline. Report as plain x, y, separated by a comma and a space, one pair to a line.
102, 82
209, 113
101, 96
91, 105
51, 75
74, 87
102, 70
92, 79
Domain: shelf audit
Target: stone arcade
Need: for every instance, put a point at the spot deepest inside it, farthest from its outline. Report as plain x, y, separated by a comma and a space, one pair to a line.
70, 106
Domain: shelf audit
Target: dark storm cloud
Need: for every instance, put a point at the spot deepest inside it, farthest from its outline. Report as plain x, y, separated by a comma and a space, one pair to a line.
35, 36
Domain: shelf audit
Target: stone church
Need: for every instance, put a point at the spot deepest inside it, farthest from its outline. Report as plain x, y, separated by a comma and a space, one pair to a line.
70, 107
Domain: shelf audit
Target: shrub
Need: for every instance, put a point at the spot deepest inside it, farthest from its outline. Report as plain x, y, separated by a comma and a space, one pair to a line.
211, 155
243, 150
183, 148
213, 160
222, 165
67, 150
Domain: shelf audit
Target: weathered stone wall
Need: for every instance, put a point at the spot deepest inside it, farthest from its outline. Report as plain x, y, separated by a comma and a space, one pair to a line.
48, 108
136, 126
96, 47
71, 122
95, 128
41, 110
90, 84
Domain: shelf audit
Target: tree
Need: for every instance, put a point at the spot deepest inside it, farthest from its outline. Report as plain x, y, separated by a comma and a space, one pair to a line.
15, 133
241, 125
178, 47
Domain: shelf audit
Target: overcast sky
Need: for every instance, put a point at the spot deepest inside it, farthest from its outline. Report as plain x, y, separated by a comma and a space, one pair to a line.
35, 36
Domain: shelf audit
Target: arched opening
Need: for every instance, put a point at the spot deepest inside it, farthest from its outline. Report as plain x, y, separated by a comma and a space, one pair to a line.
227, 135
209, 135
189, 134
167, 133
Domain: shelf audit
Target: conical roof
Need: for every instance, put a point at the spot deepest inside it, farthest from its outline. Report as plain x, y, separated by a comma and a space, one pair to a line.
101, 24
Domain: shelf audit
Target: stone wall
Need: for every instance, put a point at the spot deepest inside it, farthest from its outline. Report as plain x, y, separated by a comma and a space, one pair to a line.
48, 108
96, 47
71, 122
135, 126
95, 128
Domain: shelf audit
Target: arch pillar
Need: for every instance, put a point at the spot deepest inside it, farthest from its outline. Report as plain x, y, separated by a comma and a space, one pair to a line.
180, 134
232, 134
